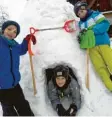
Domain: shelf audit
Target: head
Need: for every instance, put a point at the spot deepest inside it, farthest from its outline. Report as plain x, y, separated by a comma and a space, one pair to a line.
10, 29
60, 81
61, 75
80, 9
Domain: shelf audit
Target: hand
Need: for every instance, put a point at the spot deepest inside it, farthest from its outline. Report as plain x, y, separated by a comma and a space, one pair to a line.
79, 39
80, 34
31, 37
72, 110
60, 109
83, 31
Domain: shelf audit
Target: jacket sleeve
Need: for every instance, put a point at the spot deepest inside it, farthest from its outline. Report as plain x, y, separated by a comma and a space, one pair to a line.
52, 94
102, 24
75, 91
23, 47
102, 27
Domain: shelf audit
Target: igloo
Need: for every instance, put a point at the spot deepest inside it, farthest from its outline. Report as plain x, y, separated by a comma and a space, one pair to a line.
52, 48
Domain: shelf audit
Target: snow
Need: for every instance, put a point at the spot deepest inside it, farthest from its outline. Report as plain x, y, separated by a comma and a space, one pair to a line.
11, 6
54, 47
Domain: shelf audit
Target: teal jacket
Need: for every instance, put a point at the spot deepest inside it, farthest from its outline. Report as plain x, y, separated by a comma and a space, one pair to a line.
99, 25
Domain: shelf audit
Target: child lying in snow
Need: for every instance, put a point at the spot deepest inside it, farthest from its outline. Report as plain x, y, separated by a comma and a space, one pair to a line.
62, 88
100, 53
11, 95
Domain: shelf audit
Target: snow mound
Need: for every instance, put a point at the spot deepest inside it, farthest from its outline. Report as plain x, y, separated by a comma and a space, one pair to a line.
54, 47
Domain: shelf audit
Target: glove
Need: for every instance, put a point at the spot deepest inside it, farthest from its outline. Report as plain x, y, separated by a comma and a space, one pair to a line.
80, 34
83, 31
60, 110
72, 110
31, 37
79, 39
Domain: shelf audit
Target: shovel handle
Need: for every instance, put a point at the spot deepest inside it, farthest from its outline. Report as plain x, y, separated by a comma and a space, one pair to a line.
87, 72
33, 78
31, 65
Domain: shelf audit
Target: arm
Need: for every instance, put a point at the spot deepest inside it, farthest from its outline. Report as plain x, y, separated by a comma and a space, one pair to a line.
52, 94
75, 90
23, 47
102, 24
101, 27
76, 98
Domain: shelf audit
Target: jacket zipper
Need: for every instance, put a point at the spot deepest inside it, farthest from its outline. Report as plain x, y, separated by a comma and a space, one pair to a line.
12, 65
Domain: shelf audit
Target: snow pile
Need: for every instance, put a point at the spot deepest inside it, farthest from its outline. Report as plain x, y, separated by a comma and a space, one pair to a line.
54, 47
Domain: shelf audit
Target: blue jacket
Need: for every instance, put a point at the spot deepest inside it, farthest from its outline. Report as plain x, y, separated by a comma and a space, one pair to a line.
97, 22
9, 62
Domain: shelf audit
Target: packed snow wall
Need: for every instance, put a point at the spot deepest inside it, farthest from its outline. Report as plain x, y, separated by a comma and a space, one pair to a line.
55, 47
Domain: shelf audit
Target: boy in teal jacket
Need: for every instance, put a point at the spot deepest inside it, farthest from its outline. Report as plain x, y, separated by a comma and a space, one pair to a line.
11, 95
100, 53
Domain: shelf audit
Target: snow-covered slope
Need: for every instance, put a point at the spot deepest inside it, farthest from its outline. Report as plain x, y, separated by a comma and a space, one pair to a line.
54, 47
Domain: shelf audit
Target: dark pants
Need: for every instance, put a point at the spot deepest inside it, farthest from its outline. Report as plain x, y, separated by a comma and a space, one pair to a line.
14, 103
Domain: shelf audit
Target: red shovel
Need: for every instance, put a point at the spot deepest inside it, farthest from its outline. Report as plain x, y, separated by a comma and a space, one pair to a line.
69, 26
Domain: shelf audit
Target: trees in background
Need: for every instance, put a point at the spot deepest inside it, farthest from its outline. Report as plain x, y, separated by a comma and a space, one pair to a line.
3, 16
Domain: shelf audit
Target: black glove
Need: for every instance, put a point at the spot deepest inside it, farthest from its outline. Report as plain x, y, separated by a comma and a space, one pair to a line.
79, 39
60, 110
80, 34
83, 31
72, 110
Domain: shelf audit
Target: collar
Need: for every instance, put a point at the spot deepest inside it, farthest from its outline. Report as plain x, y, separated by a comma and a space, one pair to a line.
9, 42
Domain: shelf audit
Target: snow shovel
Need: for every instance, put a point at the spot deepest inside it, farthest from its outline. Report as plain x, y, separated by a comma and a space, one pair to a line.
31, 65
69, 26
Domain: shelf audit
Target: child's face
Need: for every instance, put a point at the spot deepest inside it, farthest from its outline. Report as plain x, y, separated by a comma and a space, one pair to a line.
82, 12
60, 81
10, 32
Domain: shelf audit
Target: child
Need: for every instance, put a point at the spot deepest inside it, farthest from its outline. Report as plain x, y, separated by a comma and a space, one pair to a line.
11, 95
101, 53
62, 88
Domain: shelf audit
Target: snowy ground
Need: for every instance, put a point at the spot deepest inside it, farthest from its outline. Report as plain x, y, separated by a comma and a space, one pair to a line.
54, 47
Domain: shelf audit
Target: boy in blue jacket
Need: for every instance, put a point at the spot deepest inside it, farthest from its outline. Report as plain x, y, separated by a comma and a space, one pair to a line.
11, 95
101, 53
